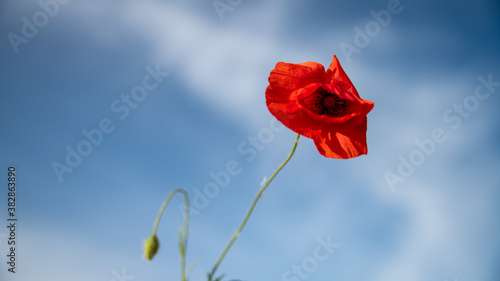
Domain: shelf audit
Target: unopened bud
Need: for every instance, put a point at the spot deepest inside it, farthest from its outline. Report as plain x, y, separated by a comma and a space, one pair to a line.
151, 247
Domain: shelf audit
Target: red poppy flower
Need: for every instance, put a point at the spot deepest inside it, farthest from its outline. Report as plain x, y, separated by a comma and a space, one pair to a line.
320, 105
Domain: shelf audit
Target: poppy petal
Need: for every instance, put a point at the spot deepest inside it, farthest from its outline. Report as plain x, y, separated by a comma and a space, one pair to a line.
291, 76
336, 75
348, 142
354, 112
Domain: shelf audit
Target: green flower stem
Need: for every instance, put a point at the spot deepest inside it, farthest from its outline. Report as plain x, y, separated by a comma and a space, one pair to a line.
259, 195
183, 236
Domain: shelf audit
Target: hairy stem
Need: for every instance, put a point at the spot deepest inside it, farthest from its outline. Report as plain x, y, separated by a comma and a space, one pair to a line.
244, 222
183, 237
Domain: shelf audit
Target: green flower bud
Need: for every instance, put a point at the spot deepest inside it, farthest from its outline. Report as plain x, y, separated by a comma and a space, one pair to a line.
151, 247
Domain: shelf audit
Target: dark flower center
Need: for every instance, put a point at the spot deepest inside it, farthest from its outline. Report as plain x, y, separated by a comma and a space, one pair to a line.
325, 103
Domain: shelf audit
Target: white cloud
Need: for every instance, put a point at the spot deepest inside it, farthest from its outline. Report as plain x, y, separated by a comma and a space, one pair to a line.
224, 67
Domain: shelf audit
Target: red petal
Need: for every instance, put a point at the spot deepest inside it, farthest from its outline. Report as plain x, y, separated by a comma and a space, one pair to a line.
336, 75
357, 110
348, 142
284, 79
291, 76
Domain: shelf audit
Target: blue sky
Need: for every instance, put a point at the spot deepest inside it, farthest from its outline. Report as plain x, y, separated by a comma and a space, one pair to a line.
79, 69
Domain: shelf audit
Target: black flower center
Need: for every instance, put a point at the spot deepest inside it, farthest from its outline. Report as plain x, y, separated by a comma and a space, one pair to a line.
325, 103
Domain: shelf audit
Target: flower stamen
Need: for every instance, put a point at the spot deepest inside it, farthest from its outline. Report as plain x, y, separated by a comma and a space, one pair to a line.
325, 103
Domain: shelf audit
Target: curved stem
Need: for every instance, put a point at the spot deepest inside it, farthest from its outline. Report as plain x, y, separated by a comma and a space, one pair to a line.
184, 236
259, 195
